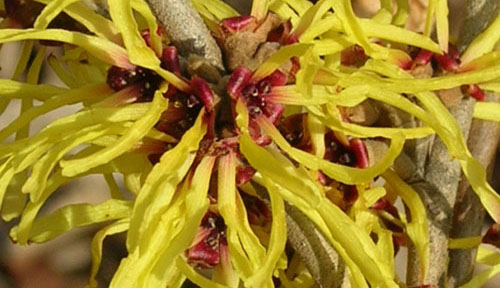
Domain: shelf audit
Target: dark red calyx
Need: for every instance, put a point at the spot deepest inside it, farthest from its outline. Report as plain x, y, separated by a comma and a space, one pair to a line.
235, 24
203, 91
350, 192
280, 34
424, 286
423, 57
474, 91
384, 205
223, 147
146, 35
492, 236
359, 149
277, 78
24, 12
336, 152
256, 134
244, 173
180, 114
170, 60
238, 80
293, 128
453, 52
446, 62
119, 78
255, 98
292, 39
353, 56
257, 211
398, 241
211, 235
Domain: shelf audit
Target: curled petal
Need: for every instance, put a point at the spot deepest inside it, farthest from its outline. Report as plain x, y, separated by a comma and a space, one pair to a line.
204, 93
474, 91
170, 58
359, 149
100, 48
423, 57
239, 23
239, 79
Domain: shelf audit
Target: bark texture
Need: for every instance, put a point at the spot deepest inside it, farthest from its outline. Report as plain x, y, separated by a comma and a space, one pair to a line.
186, 30
469, 212
438, 190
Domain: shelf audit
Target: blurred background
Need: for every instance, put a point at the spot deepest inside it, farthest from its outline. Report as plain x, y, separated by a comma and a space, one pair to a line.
65, 261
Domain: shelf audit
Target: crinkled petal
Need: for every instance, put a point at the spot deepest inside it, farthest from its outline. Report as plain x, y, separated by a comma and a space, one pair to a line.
483, 43
416, 229
96, 247
161, 184
73, 216
136, 132
105, 50
487, 111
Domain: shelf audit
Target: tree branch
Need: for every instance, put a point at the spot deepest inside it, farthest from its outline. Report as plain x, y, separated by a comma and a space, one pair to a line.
438, 190
187, 31
469, 212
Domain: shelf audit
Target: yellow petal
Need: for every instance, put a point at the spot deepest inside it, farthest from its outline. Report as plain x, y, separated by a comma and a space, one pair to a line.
143, 8
483, 43
487, 111
95, 23
100, 48
96, 247
464, 243
135, 133
158, 190
196, 205
278, 58
233, 211
344, 174
416, 229
442, 28
195, 277
73, 216
259, 9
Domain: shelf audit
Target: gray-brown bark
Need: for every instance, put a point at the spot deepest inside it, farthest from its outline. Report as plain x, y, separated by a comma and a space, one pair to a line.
187, 31
438, 190
469, 212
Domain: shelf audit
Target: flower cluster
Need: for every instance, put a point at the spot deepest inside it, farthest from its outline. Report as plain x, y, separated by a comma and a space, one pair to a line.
315, 106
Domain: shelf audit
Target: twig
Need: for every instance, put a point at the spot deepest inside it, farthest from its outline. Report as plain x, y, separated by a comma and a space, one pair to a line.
438, 191
469, 212
185, 28
320, 258
478, 15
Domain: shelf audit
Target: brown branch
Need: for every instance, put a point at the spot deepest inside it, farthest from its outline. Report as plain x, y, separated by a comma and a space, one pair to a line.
320, 258
438, 190
441, 178
478, 15
483, 142
469, 212
187, 31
